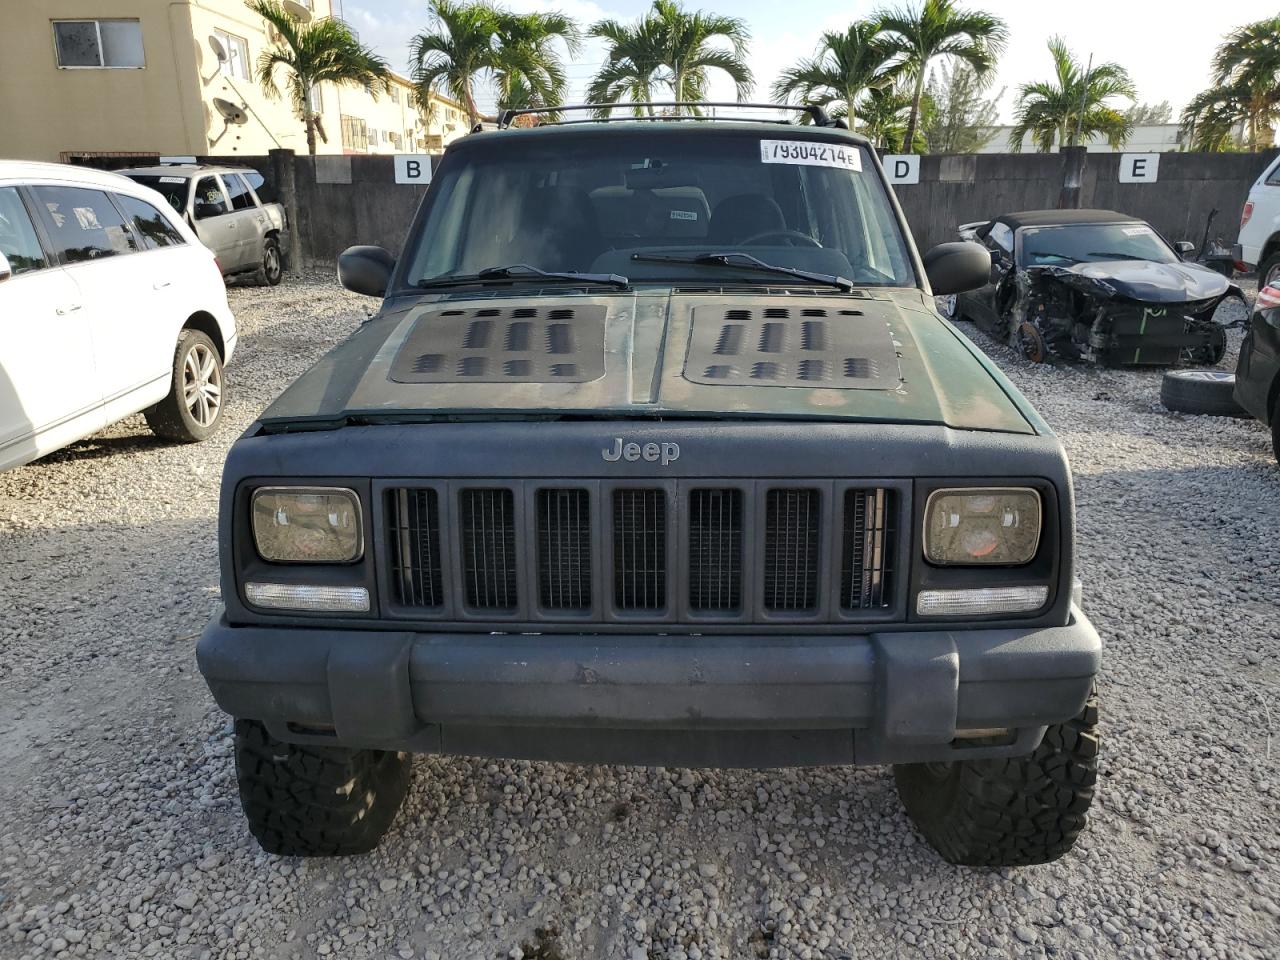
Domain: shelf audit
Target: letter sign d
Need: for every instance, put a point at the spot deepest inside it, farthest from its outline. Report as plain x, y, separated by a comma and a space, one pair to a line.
902, 168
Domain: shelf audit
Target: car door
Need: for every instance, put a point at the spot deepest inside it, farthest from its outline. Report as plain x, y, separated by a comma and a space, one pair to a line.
48, 383
214, 224
125, 309
166, 258
250, 218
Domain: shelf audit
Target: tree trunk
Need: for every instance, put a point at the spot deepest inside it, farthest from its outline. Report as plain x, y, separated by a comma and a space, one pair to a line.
472, 113
908, 139
308, 118
850, 114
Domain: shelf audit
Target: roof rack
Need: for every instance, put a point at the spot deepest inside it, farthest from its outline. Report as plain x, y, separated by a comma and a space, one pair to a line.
815, 112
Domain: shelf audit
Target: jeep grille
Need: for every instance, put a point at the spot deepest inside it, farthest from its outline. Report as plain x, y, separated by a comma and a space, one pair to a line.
678, 551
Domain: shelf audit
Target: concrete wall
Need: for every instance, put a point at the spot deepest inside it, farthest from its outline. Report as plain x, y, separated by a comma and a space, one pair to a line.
355, 199
958, 189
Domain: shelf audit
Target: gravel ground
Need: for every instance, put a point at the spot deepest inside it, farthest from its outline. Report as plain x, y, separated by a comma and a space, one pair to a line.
122, 835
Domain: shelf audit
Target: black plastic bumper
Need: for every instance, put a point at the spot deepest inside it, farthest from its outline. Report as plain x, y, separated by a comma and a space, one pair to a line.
755, 701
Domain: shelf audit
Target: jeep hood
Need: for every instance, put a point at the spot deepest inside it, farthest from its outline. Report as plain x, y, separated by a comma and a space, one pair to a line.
878, 355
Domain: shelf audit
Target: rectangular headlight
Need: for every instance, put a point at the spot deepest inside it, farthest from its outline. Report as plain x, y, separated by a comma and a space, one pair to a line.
307, 524
302, 596
974, 526
983, 600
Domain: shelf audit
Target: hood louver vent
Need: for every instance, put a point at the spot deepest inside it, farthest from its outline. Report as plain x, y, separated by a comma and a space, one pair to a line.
829, 346
508, 345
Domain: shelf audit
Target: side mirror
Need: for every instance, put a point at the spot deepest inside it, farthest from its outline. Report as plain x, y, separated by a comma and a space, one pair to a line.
206, 210
6, 271
365, 270
957, 267
1184, 247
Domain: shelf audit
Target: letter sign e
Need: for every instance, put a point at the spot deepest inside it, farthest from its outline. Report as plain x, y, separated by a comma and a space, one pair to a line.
1139, 167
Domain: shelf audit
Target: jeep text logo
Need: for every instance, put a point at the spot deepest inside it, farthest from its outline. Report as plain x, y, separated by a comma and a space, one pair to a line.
653, 452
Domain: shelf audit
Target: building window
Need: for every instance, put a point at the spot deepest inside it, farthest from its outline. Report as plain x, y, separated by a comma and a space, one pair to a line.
395, 96
99, 43
237, 62
355, 135
317, 101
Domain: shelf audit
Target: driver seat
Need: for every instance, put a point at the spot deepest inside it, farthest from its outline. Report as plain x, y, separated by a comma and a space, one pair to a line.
738, 217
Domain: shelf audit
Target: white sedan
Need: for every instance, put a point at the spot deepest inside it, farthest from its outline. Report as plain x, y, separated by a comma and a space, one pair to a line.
109, 305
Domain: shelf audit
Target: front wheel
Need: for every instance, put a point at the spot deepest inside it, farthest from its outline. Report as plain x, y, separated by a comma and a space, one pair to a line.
193, 408
1013, 812
304, 801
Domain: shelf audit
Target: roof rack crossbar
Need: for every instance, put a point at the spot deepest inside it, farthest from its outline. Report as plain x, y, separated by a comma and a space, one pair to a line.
816, 113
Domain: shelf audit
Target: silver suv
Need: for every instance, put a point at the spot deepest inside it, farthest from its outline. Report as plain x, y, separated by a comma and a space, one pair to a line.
225, 208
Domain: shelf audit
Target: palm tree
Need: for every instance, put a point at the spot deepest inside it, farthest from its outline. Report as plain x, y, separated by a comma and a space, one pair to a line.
1213, 116
322, 51
1073, 105
939, 28
478, 41
460, 45
529, 70
673, 47
885, 116
1248, 63
846, 67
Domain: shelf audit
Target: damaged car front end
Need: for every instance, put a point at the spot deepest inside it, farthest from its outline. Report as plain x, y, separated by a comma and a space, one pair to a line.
1098, 288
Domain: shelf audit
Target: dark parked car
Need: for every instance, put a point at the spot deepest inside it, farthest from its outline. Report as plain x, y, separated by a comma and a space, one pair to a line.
657, 452
1094, 285
1257, 387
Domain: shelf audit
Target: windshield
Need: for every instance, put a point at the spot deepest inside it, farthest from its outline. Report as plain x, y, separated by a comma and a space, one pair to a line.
1092, 242
608, 202
173, 189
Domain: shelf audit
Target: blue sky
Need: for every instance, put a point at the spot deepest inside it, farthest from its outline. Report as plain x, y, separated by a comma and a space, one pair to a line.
1165, 46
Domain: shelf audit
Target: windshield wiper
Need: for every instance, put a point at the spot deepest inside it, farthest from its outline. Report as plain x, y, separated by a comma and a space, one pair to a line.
744, 261
523, 271
1115, 255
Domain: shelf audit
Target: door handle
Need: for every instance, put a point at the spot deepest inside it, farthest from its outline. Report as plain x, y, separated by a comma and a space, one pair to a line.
231, 226
69, 308
161, 284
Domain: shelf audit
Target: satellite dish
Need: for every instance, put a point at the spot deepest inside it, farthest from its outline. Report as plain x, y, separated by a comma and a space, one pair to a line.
218, 49
230, 112
297, 11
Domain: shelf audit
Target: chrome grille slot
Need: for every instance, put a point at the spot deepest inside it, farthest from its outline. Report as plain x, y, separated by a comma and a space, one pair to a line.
867, 571
413, 531
792, 540
487, 527
715, 550
564, 549
639, 550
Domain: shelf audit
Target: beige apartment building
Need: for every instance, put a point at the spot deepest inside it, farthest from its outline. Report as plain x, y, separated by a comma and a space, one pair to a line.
86, 79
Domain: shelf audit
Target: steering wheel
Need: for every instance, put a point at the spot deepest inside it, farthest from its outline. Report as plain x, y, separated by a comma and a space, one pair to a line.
804, 238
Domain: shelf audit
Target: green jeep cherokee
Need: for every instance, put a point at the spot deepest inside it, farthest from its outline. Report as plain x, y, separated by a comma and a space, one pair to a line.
657, 452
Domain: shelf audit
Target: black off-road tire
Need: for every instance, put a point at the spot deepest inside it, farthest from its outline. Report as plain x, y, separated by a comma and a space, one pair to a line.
1008, 813
304, 801
271, 269
171, 418
1207, 392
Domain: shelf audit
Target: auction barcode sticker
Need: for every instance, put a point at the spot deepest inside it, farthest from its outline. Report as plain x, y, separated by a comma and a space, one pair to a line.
811, 153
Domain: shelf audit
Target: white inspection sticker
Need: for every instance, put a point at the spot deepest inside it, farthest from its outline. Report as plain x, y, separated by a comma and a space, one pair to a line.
811, 153
173, 179
1136, 231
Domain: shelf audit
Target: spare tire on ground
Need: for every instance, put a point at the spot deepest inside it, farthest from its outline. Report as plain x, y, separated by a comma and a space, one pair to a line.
1206, 392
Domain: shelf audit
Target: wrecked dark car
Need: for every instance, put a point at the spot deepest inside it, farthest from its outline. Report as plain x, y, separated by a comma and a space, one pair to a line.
1094, 286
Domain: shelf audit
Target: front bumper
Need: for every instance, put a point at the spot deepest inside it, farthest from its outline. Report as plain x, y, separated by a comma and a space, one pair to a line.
753, 701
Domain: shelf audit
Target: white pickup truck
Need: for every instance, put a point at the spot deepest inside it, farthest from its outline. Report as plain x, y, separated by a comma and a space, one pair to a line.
223, 205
